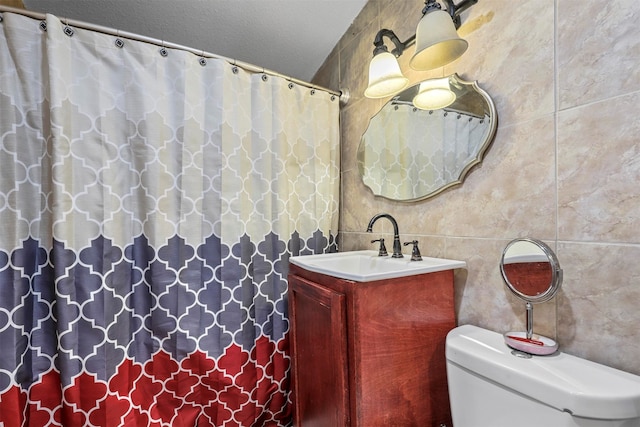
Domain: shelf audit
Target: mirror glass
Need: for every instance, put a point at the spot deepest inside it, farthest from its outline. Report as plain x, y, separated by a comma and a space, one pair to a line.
531, 270
410, 154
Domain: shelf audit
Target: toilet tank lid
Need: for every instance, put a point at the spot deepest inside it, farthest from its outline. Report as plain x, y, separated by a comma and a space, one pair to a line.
568, 383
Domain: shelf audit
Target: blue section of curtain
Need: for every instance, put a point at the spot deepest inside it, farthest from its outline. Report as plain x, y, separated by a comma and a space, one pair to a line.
148, 205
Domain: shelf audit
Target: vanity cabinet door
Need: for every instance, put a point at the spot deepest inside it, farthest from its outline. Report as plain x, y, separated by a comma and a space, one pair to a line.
370, 354
319, 343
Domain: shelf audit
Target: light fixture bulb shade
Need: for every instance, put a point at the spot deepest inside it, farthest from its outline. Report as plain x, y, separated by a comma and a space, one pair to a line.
385, 77
437, 42
434, 94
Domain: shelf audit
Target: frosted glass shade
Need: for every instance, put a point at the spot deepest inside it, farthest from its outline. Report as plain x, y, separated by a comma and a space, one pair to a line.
434, 94
385, 77
437, 42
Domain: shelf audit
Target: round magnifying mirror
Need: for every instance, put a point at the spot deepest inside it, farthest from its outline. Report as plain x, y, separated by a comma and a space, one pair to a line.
531, 270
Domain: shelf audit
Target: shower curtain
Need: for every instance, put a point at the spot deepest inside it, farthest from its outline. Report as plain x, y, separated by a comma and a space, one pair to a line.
149, 202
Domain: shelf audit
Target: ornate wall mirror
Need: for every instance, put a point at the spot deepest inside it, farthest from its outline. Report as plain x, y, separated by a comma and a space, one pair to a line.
409, 154
532, 272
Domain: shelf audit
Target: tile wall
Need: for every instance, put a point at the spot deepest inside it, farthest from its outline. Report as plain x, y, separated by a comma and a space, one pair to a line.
564, 166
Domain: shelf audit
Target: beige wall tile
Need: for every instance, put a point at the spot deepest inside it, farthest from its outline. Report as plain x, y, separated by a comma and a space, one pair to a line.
598, 50
354, 121
325, 76
598, 314
599, 171
511, 55
367, 20
512, 194
482, 298
356, 212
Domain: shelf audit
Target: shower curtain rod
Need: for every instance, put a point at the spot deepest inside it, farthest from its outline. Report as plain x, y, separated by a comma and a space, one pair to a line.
343, 95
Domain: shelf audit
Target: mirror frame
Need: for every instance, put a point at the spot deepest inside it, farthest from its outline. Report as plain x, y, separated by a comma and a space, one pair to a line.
556, 272
467, 169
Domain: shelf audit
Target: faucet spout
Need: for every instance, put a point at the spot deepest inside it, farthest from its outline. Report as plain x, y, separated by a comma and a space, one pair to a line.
397, 247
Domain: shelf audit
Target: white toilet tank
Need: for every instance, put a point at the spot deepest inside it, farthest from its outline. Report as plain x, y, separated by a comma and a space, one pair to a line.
491, 387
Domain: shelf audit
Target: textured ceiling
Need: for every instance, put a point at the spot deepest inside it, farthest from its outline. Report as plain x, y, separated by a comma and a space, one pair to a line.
291, 37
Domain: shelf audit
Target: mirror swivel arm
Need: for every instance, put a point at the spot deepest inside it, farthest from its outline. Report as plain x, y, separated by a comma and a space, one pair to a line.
382, 251
415, 253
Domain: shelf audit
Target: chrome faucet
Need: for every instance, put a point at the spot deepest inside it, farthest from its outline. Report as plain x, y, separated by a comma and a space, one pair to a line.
397, 247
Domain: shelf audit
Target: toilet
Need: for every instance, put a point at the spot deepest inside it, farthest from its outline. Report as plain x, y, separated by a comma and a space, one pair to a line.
492, 385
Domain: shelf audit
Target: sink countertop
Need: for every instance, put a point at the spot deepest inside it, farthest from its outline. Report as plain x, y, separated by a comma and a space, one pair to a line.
366, 265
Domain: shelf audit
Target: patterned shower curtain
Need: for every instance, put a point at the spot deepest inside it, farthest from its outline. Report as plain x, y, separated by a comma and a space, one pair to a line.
149, 201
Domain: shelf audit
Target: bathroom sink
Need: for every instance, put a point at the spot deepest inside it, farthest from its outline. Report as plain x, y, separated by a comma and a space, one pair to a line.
366, 266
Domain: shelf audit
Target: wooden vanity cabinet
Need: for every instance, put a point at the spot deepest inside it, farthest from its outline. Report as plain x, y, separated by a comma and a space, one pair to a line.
369, 354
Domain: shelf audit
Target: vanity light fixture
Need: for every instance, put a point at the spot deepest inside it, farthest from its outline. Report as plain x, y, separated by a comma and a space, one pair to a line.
385, 76
434, 94
437, 44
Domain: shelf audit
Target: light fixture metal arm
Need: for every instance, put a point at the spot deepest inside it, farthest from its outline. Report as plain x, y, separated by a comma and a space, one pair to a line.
400, 47
456, 9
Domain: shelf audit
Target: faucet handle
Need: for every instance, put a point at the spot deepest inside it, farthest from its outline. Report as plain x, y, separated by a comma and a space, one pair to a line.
382, 251
415, 253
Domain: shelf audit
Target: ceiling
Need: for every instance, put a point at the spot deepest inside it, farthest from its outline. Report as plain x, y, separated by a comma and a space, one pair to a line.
291, 37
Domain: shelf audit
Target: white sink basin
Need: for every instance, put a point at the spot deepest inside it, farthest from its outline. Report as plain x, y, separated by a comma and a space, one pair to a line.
366, 266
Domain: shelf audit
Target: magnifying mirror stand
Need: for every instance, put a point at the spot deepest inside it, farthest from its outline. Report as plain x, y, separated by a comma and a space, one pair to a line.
529, 307
531, 271
527, 342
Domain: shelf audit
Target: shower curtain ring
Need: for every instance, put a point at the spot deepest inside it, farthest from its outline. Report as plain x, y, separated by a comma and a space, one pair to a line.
119, 42
67, 29
163, 51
